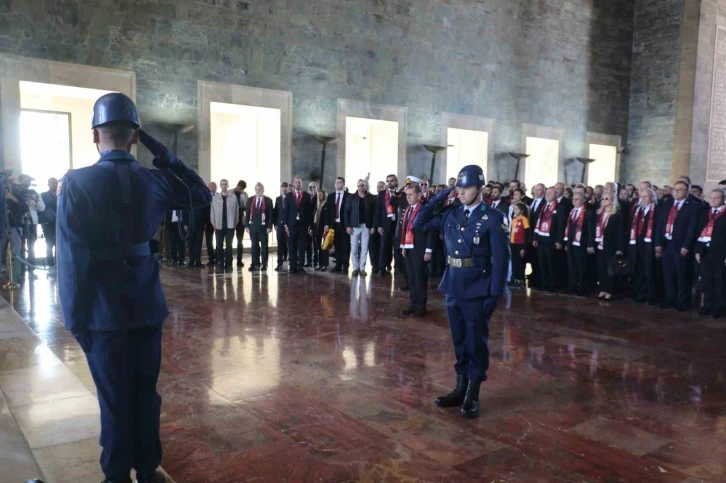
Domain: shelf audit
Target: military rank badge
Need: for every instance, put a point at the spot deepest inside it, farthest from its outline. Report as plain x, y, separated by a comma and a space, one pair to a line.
505, 228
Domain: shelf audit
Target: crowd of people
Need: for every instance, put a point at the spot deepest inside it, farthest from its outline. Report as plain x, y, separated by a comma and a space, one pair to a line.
654, 244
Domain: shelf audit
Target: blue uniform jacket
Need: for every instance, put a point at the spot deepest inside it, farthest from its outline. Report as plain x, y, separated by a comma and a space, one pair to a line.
100, 287
491, 255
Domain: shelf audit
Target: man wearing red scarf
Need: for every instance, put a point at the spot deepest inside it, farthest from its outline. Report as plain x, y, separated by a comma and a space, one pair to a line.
549, 233
417, 245
579, 243
385, 219
642, 254
711, 255
675, 239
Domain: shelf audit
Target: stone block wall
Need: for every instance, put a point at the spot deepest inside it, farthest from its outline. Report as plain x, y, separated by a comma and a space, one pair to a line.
564, 64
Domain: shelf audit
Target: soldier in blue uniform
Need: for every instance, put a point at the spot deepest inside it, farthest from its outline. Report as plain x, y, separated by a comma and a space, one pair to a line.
477, 244
108, 281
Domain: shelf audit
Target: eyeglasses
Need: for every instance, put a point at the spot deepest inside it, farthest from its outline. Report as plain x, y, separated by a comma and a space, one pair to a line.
361, 186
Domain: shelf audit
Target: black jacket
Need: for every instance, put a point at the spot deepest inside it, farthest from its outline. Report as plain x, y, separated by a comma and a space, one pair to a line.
716, 251
291, 212
588, 230
255, 223
350, 216
332, 209
684, 228
277, 212
381, 213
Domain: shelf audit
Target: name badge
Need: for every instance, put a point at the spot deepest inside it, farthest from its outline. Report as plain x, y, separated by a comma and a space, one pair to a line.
263, 218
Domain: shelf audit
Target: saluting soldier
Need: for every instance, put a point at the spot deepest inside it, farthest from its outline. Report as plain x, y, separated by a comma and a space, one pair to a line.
108, 281
477, 244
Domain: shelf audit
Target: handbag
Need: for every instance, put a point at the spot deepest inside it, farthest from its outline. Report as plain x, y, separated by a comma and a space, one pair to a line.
618, 266
328, 238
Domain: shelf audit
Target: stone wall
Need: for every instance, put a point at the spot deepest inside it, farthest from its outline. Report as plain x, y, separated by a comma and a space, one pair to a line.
563, 64
653, 90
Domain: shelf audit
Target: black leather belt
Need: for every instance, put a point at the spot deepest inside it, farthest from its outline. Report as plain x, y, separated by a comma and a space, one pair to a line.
467, 262
121, 253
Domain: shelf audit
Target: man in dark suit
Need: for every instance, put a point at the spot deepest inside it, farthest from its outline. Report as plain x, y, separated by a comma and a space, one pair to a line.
279, 226
311, 255
336, 202
564, 206
384, 221
297, 216
417, 246
549, 238
535, 208
579, 243
497, 202
711, 253
675, 238
259, 221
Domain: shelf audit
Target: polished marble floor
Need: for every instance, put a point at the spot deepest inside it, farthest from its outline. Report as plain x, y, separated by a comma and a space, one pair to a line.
315, 378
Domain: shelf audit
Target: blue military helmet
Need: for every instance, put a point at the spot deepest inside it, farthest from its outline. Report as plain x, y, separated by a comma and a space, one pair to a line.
115, 107
471, 175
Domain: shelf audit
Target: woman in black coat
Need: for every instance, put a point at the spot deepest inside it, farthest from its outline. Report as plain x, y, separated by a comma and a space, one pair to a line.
318, 230
609, 240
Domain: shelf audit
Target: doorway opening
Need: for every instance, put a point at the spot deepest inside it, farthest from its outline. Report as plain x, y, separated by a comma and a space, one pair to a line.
542, 165
602, 170
245, 145
371, 150
465, 147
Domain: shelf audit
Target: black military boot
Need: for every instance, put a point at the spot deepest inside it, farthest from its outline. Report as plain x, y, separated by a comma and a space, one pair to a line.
154, 477
470, 409
456, 397
117, 479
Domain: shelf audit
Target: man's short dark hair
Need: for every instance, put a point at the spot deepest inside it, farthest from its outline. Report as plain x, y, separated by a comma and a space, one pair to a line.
520, 191
118, 133
681, 182
723, 181
699, 188
341, 178
242, 184
415, 186
519, 184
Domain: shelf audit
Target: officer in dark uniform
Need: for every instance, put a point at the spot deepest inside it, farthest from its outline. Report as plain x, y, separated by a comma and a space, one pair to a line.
477, 243
108, 281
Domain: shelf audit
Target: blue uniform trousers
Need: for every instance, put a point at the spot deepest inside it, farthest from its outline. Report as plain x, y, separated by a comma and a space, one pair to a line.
469, 322
125, 366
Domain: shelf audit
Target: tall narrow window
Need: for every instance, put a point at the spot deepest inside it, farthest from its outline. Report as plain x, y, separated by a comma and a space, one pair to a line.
50, 158
542, 165
465, 147
602, 170
371, 149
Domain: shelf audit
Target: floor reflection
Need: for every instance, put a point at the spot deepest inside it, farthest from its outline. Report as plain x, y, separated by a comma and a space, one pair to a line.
276, 377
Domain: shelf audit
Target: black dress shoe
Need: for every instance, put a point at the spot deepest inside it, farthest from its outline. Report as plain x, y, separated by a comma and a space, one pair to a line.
253, 268
155, 477
404, 288
456, 397
181, 264
278, 268
665, 305
355, 272
240, 264
293, 270
470, 408
323, 269
308, 265
301, 270
407, 312
703, 311
419, 312
211, 262
264, 268
117, 479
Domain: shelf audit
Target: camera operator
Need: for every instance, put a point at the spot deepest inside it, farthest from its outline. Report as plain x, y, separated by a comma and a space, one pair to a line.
35, 204
17, 208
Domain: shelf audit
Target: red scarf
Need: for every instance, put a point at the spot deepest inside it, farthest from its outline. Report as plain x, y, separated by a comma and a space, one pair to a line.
544, 222
389, 208
636, 229
578, 226
408, 235
672, 215
602, 223
262, 209
707, 231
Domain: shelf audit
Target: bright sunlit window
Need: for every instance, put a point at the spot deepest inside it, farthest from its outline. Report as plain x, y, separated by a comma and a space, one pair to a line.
371, 148
542, 165
465, 147
602, 170
51, 156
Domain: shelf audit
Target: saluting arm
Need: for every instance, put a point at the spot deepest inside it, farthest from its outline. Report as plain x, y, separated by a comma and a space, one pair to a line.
427, 217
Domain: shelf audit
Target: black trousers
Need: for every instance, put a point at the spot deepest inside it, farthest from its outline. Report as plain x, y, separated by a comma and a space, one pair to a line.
417, 277
176, 244
239, 231
713, 285
30, 237
644, 272
677, 276
374, 250
577, 261
281, 244
209, 239
125, 366
296, 247
519, 263
311, 255
438, 261
259, 248
561, 268
385, 255
224, 239
49, 233
533, 260
604, 280
546, 256
342, 247
195, 244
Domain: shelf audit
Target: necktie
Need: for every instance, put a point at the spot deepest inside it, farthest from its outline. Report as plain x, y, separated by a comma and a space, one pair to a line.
715, 210
258, 202
466, 215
